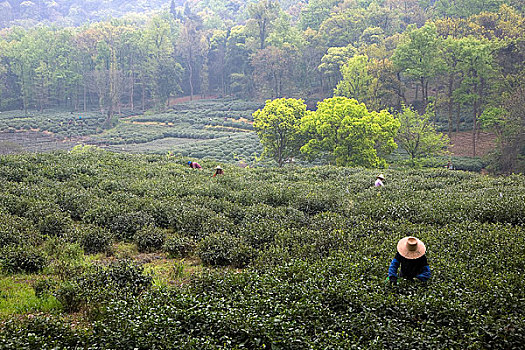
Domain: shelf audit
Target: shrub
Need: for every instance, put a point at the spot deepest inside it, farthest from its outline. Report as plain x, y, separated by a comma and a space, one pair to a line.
23, 259
44, 287
223, 250
13, 230
125, 226
149, 239
70, 296
95, 239
178, 246
55, 224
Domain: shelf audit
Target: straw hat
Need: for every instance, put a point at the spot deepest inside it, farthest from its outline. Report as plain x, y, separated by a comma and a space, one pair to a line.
381, 176
218, 167
411, 247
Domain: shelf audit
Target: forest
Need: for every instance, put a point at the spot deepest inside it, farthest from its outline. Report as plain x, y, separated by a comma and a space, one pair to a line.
464, 58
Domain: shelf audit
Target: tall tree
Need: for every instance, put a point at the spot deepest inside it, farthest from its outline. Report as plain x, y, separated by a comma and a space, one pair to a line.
417, 57
262, 13
277, 126
417, 135
476, 62
348, 134
356, 81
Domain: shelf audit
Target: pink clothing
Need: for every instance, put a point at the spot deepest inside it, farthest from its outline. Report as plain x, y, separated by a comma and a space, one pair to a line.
378, 183
196, 165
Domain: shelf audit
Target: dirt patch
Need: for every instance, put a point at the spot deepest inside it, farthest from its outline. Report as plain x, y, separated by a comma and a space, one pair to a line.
461, 144
152, 123
241, 120
226, 128
184, 99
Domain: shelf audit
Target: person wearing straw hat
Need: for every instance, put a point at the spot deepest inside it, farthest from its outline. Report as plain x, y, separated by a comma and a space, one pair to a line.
379, 180
412, 259
218, 171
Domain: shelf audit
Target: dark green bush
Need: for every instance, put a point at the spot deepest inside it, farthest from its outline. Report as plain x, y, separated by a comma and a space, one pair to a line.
95, 239
44, 287
179, 246
224, 249
23, 259
149, 239
70, 296
55, 224
14, 230
125, 226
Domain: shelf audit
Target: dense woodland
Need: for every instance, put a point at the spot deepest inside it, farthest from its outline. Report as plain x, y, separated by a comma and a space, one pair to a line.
465, 58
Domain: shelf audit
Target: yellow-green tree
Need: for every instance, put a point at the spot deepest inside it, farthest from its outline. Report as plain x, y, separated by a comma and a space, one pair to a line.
277, 126
417, 135
344, 131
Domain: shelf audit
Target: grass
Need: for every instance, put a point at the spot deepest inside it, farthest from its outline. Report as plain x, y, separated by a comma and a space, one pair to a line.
168, 272
17, 297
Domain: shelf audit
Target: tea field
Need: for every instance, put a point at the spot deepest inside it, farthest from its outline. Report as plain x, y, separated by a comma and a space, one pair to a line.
103, 250
217, 129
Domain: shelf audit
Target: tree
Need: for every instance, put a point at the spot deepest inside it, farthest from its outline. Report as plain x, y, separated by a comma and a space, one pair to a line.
465, 8
343, 28
238, 62
476, 62
417, 135
356, 80
348, 134
263, 12
192, 50
508, 122
277, 126
417, 56
272, 67
332, 62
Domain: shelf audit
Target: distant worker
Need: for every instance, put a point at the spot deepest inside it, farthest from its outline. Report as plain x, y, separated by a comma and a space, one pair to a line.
379, 180
218, 171
194, 165
411, 256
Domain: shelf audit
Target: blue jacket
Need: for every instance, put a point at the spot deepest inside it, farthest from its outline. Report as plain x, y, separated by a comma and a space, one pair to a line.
410, 268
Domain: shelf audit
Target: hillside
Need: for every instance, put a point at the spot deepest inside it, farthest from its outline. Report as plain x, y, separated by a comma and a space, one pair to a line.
109, 251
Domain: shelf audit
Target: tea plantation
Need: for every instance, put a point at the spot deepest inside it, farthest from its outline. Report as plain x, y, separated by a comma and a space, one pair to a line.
219, 129
119, 251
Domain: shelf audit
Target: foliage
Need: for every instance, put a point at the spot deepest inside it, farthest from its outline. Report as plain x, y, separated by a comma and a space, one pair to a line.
277, 125
348, 133
23, 259
95, 239
416, 134
179, 246
356, 81
149, 239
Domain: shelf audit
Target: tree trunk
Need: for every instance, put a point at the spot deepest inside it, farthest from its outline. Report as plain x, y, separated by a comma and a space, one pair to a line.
450, 103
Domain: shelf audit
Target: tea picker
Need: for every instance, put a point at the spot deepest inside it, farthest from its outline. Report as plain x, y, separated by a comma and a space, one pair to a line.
218, 171
379, 180
412, 259
194, 165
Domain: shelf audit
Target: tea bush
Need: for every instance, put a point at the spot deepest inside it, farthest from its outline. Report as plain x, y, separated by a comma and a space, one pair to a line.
149, 239
126, 225
178, 246
295, 258
23, 259
95, 239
